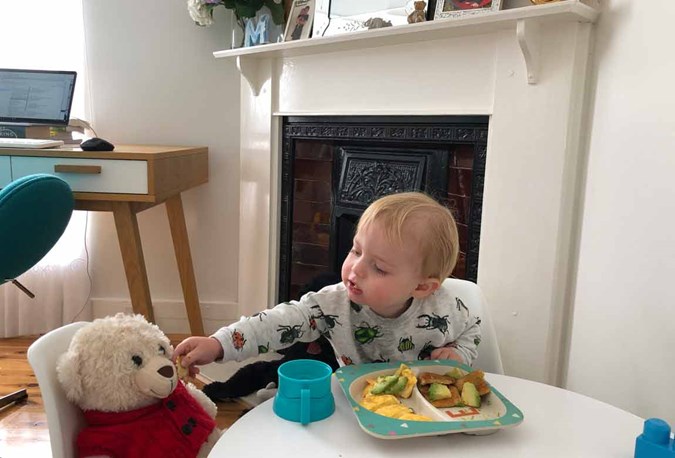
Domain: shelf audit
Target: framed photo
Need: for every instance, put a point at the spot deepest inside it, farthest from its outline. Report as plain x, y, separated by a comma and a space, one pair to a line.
299, 24
456, 8
334, 17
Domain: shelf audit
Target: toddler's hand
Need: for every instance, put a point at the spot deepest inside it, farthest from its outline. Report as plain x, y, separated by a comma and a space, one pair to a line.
446, 353
197, 351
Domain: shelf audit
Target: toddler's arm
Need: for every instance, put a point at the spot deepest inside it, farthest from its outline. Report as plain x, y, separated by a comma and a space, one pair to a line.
268, 330
466, 345
273, 329
197, 351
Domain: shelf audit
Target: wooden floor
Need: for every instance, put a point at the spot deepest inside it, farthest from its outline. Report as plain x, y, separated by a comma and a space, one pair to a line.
23, 428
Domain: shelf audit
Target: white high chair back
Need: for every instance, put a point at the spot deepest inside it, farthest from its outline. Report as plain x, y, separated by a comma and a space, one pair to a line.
64, 419
489, 358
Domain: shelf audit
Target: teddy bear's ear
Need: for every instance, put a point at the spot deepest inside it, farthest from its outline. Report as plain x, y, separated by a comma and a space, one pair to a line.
68, 372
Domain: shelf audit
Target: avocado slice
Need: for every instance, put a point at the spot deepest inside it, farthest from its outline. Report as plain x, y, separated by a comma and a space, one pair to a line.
470, 395
383, 383
439, 391
398, 386
455, 373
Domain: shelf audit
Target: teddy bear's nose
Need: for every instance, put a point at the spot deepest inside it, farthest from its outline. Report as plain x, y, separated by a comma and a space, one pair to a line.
166, 371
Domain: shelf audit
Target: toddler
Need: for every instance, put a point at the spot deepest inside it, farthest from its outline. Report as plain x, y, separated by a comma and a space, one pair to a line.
392, 303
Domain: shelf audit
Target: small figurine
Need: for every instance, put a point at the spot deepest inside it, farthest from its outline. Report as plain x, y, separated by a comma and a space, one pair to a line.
376, 23
655, 440
418, 14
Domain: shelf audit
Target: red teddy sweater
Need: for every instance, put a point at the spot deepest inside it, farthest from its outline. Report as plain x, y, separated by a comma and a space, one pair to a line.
175, 427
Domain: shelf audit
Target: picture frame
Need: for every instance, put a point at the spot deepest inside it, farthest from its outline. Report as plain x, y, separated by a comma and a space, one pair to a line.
335, 17
300, 18
458, 8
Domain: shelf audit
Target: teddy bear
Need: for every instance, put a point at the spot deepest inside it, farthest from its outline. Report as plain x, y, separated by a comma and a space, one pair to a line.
418, 14
119, 371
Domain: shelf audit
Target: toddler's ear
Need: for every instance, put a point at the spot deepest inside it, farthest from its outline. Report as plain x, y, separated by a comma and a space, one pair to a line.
427, 287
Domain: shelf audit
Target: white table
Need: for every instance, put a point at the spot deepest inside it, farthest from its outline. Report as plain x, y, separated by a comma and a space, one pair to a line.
558, 423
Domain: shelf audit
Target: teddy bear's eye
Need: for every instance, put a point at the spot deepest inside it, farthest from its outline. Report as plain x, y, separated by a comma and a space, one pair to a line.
162, 350
137, 360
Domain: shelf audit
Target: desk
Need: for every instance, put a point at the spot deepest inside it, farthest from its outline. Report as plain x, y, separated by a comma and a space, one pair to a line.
558, 423
125, 181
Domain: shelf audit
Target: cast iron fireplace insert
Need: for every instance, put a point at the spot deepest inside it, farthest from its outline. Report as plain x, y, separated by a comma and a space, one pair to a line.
333, 167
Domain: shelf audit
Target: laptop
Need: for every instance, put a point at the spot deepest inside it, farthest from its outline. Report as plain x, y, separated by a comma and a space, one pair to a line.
34, 98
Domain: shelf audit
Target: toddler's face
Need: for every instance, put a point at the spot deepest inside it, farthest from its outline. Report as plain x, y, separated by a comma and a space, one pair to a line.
380, 274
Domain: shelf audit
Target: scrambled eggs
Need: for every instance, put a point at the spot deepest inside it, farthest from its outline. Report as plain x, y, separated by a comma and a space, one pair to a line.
390, 405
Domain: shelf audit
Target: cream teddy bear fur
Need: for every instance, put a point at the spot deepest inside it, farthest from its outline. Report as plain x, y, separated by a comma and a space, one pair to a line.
122, 363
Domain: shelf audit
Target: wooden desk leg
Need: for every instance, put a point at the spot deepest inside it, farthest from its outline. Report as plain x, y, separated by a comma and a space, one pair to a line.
181, 245
132, 256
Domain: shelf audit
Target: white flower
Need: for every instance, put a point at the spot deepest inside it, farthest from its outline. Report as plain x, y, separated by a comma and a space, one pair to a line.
200, 13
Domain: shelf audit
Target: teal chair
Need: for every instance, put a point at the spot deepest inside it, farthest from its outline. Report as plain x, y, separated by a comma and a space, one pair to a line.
34, 212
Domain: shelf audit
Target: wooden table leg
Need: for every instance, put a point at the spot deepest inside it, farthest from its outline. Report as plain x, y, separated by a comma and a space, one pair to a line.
181, 245
132, 256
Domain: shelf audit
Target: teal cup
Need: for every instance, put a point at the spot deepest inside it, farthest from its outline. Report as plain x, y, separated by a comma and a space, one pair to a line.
304, 393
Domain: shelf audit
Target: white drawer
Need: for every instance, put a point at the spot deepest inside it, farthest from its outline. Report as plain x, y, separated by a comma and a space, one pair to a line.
117, 176
5, 171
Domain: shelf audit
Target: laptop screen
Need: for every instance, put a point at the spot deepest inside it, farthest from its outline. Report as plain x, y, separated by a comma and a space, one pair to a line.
36, 96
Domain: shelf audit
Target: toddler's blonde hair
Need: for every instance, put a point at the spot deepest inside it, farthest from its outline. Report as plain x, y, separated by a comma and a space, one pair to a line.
439, 241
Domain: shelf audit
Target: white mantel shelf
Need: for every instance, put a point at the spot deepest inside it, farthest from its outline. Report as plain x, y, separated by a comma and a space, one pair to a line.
524, 20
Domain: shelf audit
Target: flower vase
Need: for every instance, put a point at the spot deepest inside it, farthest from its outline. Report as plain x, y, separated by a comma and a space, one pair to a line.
238, 26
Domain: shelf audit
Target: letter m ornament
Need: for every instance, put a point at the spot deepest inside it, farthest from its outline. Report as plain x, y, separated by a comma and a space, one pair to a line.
257, 32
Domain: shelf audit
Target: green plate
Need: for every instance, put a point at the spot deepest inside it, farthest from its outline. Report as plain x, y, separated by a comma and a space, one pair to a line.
496, 412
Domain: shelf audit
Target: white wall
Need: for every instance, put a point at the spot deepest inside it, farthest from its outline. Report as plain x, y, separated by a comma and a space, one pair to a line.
623, 340
154, 81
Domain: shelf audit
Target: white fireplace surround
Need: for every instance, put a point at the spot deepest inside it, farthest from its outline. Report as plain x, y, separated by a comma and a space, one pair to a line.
526, 68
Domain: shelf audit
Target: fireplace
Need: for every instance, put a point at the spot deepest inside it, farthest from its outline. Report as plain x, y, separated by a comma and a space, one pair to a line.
333, 167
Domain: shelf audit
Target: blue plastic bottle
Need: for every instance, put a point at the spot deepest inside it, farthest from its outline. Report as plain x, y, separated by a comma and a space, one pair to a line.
655, 440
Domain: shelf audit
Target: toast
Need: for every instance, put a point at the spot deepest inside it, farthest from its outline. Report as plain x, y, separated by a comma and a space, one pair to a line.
454, 400
183, 372
427, 378
477, 378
